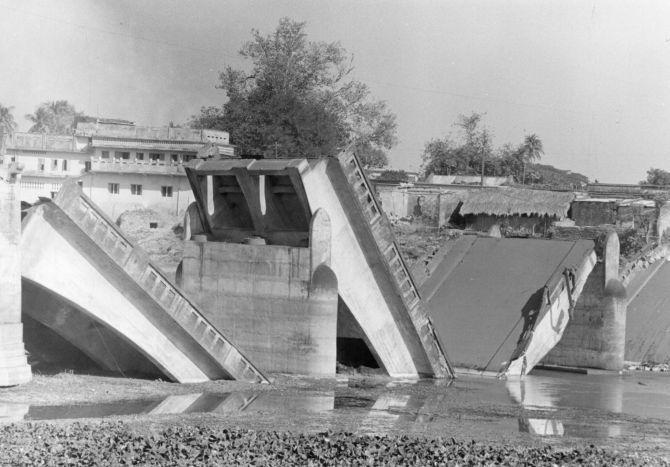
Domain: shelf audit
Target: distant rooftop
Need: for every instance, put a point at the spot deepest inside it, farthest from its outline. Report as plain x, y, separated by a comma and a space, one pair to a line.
123, 129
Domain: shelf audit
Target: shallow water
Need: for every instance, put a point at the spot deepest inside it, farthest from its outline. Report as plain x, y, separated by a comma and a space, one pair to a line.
535, 405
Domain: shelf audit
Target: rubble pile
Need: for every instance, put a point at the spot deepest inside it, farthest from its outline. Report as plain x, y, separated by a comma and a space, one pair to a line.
417, 240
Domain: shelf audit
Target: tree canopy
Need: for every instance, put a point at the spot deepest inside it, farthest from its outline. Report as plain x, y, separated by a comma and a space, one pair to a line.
7, 122
393, 176
297, 100
471, 152
656, 177
56, 117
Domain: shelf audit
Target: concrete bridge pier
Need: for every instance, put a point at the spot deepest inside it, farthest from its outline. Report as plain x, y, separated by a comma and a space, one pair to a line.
595, 336
14, 368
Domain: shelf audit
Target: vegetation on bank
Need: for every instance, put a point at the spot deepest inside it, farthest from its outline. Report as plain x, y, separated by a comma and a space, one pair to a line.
116, 443
471, 152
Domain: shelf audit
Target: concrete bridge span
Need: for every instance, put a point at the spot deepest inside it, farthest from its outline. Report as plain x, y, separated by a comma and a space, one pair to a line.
71, 249
647, 325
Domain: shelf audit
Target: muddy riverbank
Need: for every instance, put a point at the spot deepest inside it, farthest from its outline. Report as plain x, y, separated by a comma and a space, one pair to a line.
546, 414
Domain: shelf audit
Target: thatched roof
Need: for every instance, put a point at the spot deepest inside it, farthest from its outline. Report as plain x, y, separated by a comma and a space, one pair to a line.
506, 201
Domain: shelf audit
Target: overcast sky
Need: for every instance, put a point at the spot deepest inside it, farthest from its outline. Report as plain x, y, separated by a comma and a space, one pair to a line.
590, 78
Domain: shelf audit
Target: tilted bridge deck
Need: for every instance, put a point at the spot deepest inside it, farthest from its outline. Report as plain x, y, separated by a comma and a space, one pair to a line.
111, 242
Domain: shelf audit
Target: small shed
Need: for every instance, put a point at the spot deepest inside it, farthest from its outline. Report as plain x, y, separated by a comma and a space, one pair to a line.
518, 209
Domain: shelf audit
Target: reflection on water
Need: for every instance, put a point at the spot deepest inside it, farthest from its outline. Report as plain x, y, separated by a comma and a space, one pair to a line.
637, 395
383, 409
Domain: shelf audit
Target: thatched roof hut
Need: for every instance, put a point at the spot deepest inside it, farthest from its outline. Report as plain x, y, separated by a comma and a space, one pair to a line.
507, 201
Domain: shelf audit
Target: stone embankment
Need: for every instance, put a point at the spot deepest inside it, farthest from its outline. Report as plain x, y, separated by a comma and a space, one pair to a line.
115, 443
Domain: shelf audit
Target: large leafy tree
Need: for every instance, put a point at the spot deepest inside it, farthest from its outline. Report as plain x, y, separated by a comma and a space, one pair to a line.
296, 100
56, 117
657, 177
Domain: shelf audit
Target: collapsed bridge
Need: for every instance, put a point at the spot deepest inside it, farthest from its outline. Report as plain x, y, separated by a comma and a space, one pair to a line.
290, 266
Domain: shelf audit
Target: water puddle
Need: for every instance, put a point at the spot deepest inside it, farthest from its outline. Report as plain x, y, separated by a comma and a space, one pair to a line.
427, 406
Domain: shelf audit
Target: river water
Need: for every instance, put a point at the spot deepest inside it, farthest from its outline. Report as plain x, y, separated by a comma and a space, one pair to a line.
545, 403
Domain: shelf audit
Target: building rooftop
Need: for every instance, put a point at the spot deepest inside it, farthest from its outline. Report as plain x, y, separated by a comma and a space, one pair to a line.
104, 129
506, 201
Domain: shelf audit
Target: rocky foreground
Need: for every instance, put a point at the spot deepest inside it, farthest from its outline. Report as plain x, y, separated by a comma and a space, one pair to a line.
117, 443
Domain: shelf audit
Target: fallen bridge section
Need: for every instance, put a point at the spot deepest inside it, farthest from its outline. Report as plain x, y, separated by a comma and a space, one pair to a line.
71, 249
500, 304
647, 318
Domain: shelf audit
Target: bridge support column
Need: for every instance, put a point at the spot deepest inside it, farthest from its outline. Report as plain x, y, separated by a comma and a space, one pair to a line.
14, 368
595, 336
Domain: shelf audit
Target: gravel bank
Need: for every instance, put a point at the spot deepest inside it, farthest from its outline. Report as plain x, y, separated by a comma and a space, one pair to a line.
114, 443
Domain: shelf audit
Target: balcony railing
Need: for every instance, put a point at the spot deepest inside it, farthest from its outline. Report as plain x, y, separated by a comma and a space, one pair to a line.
148, 167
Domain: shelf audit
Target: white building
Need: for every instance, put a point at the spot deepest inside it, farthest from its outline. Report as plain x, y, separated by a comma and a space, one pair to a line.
119, 165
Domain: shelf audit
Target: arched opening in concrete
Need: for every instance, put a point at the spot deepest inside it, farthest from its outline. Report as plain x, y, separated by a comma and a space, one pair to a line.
353, 348
60, 336
49, 353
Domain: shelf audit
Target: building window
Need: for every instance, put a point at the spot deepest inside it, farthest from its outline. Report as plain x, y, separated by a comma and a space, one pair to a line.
64, 166
155, 157
188, 157
104, 154
139, 156
54, 164
175, 157
40, 164
166, 191
135, 189
53, 194
113, 188
87, 166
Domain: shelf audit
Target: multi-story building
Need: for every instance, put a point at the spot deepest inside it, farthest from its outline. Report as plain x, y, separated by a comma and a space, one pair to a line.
119, 165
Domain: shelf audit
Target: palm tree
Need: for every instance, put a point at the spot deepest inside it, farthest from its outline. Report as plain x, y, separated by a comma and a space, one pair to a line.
42, 120
531, 150
53, 117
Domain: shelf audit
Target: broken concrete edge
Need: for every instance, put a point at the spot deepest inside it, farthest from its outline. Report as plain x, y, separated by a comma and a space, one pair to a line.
559, 295
66, 199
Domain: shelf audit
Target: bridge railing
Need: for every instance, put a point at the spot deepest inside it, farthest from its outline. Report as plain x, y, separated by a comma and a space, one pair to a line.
383, 235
